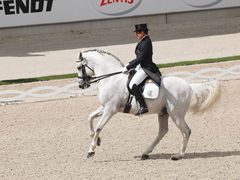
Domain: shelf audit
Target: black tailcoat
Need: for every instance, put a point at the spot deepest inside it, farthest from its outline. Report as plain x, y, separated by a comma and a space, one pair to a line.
144, 52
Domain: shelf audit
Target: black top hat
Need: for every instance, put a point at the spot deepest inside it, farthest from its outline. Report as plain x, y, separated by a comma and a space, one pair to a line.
141, 27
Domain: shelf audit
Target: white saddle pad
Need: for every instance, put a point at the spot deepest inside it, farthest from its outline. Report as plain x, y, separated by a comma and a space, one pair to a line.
151, 90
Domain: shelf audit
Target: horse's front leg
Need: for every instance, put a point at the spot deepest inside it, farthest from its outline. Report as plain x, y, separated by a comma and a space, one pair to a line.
91, 117
108, 112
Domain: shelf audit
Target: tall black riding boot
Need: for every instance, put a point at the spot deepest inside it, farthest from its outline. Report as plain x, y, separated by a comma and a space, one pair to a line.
137, 93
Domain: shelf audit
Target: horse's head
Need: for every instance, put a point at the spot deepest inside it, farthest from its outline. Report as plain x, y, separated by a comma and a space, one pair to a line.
96, 62
85, 72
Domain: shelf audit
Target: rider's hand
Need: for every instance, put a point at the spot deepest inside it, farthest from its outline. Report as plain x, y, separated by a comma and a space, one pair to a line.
124, 70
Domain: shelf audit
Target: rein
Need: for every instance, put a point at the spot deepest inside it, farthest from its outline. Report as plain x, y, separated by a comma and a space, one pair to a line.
99, 78
92, 80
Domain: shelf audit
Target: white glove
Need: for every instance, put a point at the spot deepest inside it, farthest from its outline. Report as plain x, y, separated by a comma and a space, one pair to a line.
124, 70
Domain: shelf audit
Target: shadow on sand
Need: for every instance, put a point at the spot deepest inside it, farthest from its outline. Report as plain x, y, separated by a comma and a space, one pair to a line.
214, 154
167, 156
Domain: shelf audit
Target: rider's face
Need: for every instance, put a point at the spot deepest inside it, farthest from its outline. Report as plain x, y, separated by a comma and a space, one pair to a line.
140, 34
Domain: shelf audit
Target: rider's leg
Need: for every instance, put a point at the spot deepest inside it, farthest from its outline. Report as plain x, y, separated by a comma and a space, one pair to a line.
137, 93
136, 80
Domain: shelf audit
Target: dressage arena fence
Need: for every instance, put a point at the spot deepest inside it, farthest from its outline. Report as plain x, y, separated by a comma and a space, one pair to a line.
45, 93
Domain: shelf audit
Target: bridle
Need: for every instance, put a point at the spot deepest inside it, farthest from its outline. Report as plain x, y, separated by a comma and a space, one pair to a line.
88, 80
85, 78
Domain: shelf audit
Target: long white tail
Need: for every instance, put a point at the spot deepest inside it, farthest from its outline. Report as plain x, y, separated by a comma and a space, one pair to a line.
204, 96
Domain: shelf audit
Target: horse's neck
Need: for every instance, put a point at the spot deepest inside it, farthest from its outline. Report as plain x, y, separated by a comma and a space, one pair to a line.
106, 69
115, 85
105, 65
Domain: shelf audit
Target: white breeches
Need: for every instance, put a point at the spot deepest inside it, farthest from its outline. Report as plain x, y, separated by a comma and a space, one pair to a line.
138, 77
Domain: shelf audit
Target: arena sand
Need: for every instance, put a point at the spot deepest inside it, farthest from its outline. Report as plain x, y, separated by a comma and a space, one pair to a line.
50, 140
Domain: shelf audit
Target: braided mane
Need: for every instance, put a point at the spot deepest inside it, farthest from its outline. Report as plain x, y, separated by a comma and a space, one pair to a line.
102, 52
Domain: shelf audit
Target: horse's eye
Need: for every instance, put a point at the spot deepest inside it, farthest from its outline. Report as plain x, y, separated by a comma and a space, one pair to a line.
79, 65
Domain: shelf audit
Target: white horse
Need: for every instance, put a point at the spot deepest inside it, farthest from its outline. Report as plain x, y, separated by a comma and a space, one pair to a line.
176, 97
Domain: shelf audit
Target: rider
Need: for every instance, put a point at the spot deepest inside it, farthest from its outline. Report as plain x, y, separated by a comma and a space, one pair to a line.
144, 64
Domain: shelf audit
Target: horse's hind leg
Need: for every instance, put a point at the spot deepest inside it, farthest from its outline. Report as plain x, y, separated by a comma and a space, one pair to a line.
186, 132
163, 129
98, 112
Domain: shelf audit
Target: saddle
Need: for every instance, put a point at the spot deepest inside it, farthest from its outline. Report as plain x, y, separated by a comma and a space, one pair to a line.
148, 87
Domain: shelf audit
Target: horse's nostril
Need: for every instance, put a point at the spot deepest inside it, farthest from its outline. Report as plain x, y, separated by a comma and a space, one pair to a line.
84, 86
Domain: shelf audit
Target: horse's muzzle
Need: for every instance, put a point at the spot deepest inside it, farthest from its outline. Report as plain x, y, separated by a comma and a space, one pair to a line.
84, 85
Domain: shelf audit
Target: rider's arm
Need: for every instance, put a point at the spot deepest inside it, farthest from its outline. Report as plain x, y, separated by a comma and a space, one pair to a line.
142, 53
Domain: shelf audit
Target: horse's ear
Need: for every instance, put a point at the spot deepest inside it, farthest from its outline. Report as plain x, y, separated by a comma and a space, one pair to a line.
80, 56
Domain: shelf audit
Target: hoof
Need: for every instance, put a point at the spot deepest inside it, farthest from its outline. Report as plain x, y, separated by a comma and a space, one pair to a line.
90, 154
176, 157
98, 141
145, 157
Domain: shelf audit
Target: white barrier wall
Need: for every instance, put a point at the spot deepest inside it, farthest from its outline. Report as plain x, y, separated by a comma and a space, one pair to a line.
72, 90
32, 12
